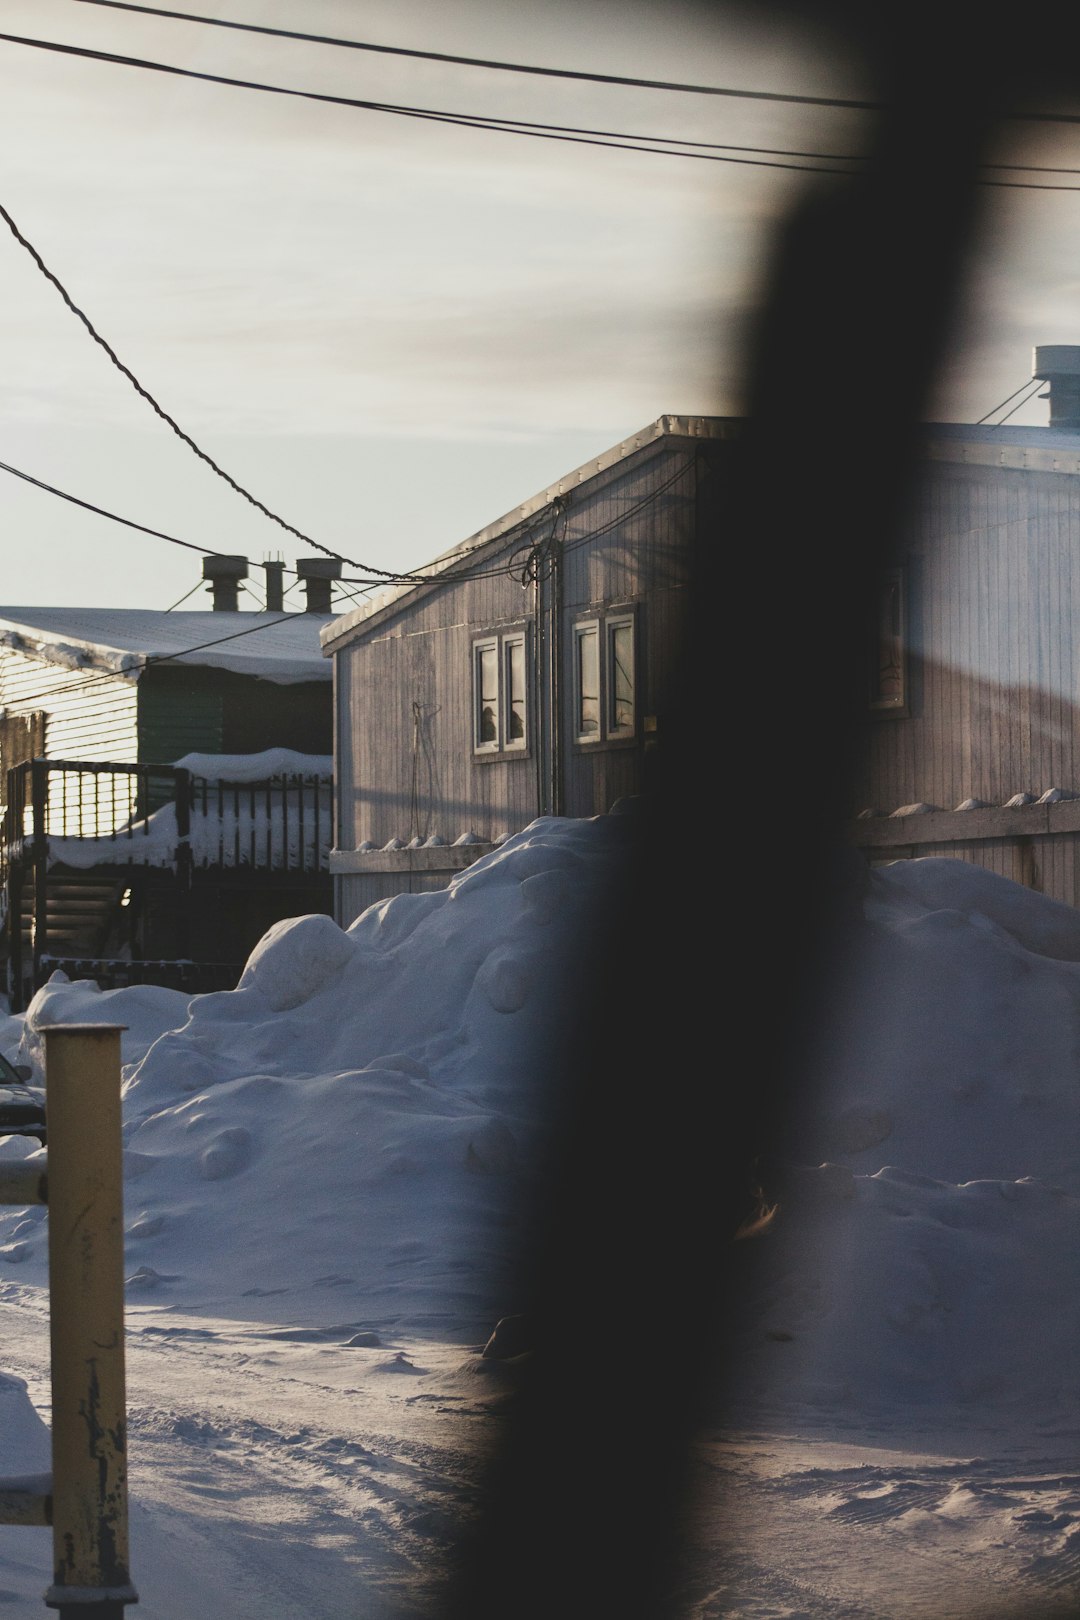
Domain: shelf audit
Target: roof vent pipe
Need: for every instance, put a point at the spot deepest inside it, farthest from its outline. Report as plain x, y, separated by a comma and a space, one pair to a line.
1059, 365
225, 574
318, 575
275, 586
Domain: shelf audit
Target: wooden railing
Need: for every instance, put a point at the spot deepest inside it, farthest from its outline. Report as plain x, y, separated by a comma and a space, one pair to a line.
89, 813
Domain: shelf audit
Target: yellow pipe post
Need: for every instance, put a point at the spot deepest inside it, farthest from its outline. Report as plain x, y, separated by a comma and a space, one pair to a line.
86, 1310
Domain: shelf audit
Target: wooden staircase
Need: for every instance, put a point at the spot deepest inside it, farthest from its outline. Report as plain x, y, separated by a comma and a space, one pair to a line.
83, 917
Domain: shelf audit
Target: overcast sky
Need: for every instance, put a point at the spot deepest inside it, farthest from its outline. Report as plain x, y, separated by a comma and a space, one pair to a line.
393, 331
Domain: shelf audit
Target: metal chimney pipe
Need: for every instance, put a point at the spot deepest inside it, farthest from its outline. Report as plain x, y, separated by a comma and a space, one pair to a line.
225, 574
275, 586
318, 574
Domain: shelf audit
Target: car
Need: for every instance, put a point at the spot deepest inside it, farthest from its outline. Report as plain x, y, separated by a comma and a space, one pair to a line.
22, 1106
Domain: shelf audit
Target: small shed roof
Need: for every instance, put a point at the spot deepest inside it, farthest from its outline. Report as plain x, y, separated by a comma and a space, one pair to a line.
388, 597
267, 646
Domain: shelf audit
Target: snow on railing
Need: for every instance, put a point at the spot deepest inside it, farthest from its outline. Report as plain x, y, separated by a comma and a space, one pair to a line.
279, 825
249, 811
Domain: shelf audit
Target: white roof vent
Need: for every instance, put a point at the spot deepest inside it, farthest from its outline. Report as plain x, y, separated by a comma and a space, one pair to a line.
1059, 365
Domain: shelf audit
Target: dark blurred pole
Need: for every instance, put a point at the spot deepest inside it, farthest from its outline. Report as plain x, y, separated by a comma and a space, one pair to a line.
709, 965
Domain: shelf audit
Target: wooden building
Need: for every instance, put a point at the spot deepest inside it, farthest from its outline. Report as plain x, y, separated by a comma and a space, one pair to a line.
531, 672
120, 684
971, 737
118, 860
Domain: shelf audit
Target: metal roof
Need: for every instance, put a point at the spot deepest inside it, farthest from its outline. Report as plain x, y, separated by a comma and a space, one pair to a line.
264, 645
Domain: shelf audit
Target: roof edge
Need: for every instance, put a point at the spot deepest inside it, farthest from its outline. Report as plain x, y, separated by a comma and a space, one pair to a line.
664, 427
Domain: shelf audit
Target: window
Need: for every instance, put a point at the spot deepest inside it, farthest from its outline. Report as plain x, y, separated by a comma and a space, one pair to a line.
486, 695
514, 687
888, 652
587, 681
500, 694
605, 679
620, 704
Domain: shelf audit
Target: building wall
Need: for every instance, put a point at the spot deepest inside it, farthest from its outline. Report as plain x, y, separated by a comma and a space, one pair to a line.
185, 710
405, 762
993, 599
90, 716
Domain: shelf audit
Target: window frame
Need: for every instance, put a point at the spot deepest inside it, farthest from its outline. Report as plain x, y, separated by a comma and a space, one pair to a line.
481, 646
612, 623
604, 625
888, 649
503, 643
588, 629
507, 644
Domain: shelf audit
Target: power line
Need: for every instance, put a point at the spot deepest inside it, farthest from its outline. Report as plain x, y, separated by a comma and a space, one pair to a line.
101, 511
656, 145
139, 389
521, 537
511, 544
143, 661
662, 146
380, 576
632, 82
483, 62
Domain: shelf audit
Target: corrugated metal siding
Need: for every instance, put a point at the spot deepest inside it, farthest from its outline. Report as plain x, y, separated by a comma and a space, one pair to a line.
405, 764
994, 598
90, 717
405, 761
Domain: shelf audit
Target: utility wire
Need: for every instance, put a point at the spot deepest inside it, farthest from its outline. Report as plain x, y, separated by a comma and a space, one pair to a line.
1030, 395
662, 146
658, 146
81, 682
379, 576
139, 389
1024, 386
482, 62
101, 511
145, 660
546, 72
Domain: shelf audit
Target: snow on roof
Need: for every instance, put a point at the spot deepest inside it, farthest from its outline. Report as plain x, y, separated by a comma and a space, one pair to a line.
264, 645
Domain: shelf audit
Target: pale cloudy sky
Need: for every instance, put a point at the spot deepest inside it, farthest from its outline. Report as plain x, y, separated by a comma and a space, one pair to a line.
394, 331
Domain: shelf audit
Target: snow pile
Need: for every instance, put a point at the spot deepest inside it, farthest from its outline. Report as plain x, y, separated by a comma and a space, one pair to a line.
927, 1249
363, 1112
358, 1120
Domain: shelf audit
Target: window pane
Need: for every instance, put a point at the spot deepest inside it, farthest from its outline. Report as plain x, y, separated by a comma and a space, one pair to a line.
588, 682
887, 689
621, 676
487, 695
515, 691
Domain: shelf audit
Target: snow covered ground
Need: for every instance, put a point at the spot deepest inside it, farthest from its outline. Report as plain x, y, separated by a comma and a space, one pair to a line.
323, 1187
